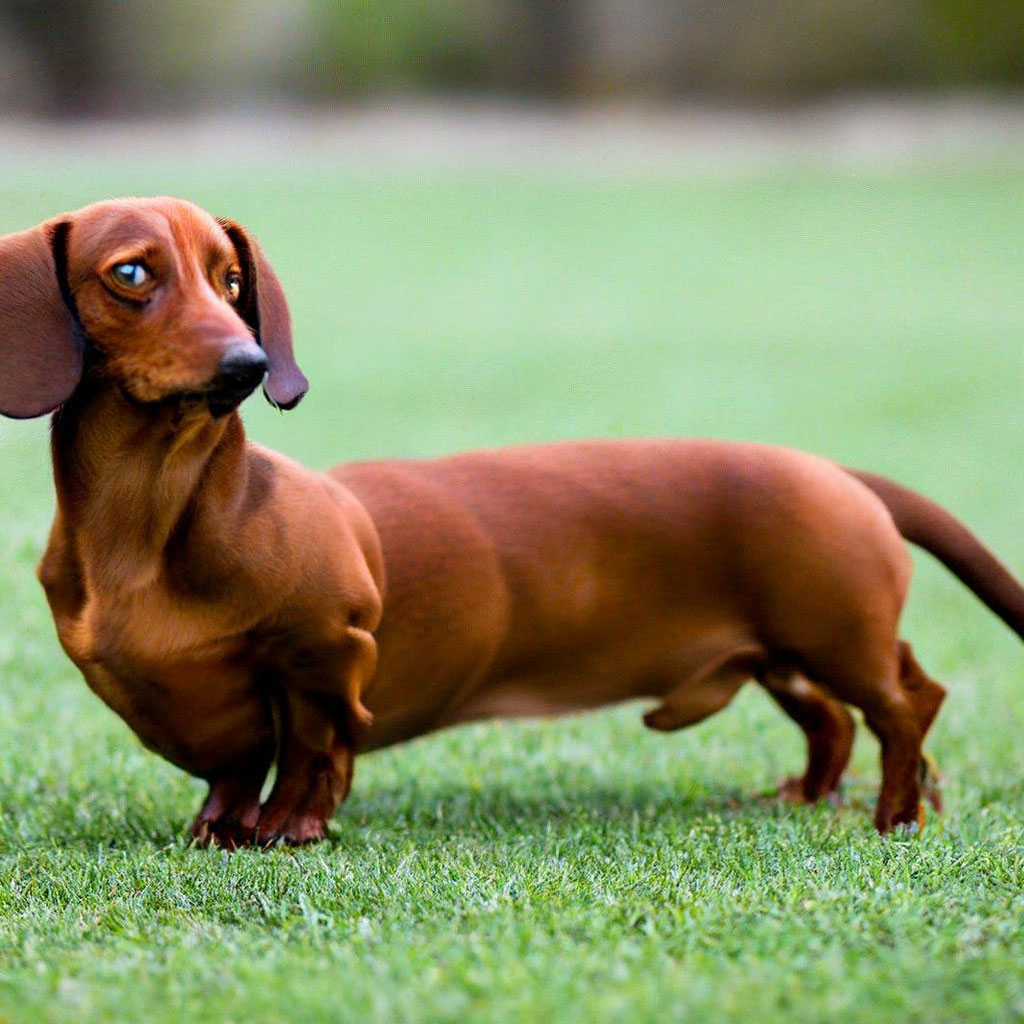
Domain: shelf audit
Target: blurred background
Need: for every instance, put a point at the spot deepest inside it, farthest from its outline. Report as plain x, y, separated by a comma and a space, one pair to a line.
88, 57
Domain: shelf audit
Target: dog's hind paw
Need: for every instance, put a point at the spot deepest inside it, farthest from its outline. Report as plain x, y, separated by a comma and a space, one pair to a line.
931, 782
793, 790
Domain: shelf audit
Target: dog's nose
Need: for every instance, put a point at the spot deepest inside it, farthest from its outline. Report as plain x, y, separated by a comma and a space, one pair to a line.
242, 367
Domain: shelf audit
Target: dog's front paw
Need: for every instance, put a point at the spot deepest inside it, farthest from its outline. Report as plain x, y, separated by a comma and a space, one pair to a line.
303, 799
228, 818
295, 829
225, 834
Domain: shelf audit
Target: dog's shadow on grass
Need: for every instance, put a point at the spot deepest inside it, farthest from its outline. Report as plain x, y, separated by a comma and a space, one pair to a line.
450, 812
447, 812
498, 814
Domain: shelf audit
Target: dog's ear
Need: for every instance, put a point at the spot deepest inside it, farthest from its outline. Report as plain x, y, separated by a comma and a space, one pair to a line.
40, 343
263, 307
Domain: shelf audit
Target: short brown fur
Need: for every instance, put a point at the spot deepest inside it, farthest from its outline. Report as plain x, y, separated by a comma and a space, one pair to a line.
236, 609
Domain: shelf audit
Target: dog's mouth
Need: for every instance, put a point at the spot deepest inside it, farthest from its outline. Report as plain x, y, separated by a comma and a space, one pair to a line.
223, 400
221, 394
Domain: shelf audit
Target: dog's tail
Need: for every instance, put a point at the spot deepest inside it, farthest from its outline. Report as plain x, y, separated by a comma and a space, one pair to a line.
931, 527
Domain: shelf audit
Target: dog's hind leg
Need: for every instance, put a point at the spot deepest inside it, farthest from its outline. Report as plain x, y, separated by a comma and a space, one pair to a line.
899, 702
828, 727
906, 773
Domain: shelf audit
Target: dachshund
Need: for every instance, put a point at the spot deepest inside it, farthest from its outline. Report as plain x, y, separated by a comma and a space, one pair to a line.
238, 610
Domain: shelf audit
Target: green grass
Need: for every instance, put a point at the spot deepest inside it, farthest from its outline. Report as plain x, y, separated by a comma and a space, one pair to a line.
582, 869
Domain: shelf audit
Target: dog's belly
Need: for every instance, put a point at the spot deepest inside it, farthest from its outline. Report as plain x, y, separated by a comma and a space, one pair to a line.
548, 695
666, 658
673, 655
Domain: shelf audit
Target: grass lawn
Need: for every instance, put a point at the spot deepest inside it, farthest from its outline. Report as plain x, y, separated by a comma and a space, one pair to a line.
583, 869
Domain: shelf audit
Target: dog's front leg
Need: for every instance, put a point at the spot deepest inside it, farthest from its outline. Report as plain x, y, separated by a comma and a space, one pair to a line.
321, 721
229, 816
314, 771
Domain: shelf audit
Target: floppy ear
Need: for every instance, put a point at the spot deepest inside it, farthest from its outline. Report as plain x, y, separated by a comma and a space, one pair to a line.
264, 308
40, 343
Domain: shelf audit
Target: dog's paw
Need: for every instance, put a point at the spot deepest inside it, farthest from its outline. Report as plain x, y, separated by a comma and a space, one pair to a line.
907, 822
223, 834
931, 782
226, 831
229, 816
793, 791
294, 830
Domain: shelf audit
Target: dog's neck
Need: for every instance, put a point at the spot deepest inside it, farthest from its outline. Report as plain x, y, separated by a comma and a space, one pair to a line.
128, 475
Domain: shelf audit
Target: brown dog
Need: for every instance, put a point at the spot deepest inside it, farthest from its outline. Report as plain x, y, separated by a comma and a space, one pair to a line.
235, 608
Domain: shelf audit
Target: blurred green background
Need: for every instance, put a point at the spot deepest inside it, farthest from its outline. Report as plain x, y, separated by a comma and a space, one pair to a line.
104, 56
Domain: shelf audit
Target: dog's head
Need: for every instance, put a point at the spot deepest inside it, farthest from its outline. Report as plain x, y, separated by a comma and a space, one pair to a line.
166, 300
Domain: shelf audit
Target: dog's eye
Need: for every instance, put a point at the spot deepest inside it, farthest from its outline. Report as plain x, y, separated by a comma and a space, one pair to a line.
233, 283
130, 275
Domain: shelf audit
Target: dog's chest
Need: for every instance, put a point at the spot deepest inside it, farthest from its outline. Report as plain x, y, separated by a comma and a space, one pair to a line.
194, 712
178, 678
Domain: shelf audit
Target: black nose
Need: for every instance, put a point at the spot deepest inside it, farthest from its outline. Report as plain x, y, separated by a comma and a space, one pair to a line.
242, 368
